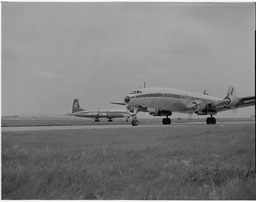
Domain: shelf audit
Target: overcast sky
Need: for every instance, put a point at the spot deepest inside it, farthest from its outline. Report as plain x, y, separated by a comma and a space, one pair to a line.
98, 52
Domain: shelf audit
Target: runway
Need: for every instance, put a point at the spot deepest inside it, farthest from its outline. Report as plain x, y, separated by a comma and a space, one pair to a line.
80, 127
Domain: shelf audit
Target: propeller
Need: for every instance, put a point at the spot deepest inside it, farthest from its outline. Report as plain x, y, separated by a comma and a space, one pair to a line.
230, 92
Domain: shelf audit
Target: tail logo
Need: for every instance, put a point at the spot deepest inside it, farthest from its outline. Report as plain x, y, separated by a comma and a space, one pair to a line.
75, 105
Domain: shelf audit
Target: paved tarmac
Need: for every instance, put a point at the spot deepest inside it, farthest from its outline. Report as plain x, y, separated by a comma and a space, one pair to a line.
42, 128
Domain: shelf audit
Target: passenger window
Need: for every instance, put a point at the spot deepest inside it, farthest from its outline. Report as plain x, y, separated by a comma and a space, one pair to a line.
136, 92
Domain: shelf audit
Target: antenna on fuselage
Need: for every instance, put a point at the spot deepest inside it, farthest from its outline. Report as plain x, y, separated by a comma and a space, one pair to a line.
144, 84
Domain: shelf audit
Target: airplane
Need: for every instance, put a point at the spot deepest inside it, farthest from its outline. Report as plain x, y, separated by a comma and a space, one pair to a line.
165, 101
96, 114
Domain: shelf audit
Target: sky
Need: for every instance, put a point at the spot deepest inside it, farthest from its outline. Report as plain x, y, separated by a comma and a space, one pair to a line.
99, 52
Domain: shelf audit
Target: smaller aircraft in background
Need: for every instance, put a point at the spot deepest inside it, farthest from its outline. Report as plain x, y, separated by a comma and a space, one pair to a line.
96, 114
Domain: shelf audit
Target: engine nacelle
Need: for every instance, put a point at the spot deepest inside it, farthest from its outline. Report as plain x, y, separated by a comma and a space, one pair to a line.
231, 101
197, 106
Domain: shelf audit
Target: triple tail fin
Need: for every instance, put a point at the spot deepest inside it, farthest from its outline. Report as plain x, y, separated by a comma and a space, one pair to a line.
76, 107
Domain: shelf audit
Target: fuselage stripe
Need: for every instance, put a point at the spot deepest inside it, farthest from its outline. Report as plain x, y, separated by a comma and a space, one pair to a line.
170, 96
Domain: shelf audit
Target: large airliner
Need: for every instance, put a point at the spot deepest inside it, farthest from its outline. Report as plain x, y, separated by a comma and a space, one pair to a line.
96, 114
164, 101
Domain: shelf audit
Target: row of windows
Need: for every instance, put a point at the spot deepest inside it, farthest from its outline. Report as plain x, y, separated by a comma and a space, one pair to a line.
185, 97
136, 92
172, 96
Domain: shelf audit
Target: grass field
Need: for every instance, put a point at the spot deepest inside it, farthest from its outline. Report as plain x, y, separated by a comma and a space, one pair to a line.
161, 162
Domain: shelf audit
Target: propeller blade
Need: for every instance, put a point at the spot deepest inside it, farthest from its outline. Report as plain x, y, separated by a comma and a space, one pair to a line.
230, 91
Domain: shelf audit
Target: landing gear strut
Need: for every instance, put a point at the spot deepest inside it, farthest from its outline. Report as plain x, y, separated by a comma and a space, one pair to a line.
166, 121
211, 120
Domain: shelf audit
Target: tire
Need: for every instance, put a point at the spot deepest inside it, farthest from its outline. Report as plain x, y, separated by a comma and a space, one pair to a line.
213, 120
135, 122
208, 120
166, 121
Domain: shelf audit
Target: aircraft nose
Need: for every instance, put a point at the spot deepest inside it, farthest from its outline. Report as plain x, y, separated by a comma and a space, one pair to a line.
127, 99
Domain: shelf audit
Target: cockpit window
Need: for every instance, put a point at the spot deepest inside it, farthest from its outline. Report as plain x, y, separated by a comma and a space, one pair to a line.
135, 92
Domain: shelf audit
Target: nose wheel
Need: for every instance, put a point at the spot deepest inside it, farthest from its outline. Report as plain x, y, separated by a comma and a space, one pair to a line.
211, 120
135, 122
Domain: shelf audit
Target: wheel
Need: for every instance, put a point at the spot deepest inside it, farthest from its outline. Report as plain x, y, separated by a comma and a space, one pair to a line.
208, 120
166, 121
213, 120
135, 122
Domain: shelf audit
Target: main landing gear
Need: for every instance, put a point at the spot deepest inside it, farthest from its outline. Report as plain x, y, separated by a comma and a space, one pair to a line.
211, 120
166, 121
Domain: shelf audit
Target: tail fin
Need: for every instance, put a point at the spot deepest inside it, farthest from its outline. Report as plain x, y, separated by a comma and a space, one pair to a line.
76, 107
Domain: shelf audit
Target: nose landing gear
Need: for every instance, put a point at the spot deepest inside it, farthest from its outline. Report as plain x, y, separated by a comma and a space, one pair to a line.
135, 122
211, 120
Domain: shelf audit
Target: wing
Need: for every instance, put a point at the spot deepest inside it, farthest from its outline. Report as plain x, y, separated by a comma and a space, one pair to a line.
242, 102
118, 103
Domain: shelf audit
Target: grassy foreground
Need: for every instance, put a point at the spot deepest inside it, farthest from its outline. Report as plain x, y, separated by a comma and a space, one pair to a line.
162, 162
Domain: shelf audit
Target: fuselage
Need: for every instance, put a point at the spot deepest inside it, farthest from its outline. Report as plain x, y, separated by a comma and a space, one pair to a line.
102, 114
166, 99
